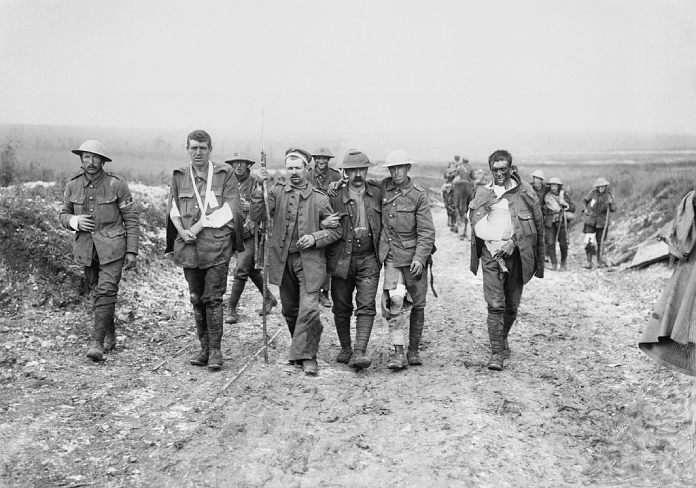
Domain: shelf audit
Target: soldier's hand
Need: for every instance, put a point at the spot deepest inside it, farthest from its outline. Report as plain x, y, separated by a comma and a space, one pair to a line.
330, 222
85, 223
507, 250
306, 241
416, 269
333, 188
187, 236
263, 173
129, 262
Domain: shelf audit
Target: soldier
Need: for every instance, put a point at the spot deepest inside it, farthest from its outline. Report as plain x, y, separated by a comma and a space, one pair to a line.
245, 267
448, 197
598, 203
321, 176
296, 258
99, 207
508, 238
556, 203
463, 191
538, 185
353, 260
405, 247
204, 208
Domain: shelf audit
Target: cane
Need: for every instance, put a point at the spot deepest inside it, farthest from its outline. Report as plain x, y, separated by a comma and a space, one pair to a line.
265, 250
604, 236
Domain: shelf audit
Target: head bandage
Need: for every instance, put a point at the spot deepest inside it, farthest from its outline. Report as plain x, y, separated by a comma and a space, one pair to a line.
295, 155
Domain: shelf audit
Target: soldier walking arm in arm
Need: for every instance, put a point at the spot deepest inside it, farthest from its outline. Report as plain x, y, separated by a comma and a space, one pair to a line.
99, 207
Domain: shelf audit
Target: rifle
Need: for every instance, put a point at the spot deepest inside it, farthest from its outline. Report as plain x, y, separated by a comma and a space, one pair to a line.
265, 250
600, 254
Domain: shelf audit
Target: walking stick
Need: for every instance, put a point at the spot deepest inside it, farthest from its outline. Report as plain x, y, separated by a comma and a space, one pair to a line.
604, 236
265, 250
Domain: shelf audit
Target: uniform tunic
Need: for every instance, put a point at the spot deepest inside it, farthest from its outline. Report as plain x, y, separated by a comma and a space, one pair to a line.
322, 180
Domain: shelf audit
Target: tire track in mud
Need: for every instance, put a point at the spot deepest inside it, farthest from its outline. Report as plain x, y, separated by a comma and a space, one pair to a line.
449, 421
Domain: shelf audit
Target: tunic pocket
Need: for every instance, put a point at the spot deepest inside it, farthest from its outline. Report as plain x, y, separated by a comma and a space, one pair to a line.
108, 208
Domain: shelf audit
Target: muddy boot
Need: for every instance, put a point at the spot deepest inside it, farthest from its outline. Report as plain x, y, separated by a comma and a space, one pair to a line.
235, 295
363, 329
201, 359
310, 367
213, 313
588, 265
415, 333
324, 299
564, 258
397, 358
96, 348
110, 337
359, 360
343, 331
270, 301
495, 333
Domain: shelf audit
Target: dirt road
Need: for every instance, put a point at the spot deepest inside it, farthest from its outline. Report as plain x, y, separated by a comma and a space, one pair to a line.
576, 405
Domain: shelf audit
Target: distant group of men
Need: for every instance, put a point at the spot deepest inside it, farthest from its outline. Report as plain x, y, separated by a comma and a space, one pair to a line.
328, 233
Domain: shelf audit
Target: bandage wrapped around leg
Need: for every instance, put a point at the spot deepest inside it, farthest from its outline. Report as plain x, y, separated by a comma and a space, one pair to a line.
590, 242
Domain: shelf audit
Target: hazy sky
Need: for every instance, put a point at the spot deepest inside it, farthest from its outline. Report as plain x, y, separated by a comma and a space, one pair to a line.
366, 67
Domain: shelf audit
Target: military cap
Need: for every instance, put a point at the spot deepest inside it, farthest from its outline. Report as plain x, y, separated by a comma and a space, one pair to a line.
456, 157
240, 156
298, 153
600, 182
397, 158
323, 152
92, 146
355, 159
555, 181
539, 174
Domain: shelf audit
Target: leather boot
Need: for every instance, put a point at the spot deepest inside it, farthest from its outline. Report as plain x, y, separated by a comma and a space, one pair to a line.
397, 359
235, 295
110, 337
508, 321
343, 331
201, 359
415, 333
270, 301
588, 265
96, 348
324, 299
363, 329
213, 313
495, 333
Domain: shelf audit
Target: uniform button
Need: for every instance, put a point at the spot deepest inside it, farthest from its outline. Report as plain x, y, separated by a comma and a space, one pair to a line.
91, 210
91, 186
91, 198
92, 232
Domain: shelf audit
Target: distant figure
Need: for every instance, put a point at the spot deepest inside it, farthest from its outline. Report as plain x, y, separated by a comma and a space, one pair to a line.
204, 208
556, 203
297, 262
321, 176
598, 203
538, 185
507, 236
246, 259
448, 196
463, 190
670, 333
99, 207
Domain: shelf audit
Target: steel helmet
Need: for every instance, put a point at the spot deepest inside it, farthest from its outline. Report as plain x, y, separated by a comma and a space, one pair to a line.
240, 156
539, 174
397, 158
92, 146
555, 181
355, 159
600, 182
323, 152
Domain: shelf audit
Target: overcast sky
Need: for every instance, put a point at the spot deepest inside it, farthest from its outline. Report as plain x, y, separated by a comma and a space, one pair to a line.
332, 68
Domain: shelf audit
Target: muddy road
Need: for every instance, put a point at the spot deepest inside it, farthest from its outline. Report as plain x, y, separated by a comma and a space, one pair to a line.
576, 405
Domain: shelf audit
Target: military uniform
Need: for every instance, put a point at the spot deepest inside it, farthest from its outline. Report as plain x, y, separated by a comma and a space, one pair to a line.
504, 278
596, 220
448, 198
553, 208
106, 198
245, 267
354, 263
408, 235
463, 189
300, 273
206, 260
